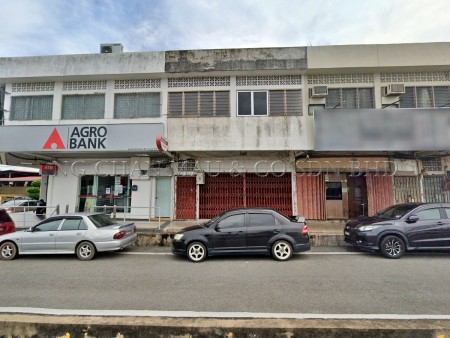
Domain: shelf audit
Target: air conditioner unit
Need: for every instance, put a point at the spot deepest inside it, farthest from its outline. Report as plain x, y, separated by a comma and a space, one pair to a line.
318, 91
107, 48
394, 89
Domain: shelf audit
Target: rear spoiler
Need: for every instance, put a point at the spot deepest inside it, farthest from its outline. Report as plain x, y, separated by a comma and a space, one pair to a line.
298, 219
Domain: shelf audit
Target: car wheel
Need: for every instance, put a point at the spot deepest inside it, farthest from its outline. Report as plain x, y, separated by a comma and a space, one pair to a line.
196, 252
392, 247
282, 250
8, 251
86, 251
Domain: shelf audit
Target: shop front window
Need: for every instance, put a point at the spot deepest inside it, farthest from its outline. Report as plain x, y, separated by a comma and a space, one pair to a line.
333, 191
98, 192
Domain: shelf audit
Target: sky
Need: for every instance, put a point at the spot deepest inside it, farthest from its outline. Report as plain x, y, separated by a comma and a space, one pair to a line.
55, 27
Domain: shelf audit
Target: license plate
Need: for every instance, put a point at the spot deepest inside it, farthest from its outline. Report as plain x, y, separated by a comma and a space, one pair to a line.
346, 233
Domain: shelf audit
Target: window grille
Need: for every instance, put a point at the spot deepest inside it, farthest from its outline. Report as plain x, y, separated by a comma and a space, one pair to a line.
206, 81
137, 105
432, 164
402, 77
25, 108
156, 162
207, 103
84, 85
425, 97
33, 87
275, 80
324, 79
186, 166
83, 106
350, 98
137, 84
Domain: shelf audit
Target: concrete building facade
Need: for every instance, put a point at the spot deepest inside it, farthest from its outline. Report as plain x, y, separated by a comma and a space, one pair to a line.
327, 132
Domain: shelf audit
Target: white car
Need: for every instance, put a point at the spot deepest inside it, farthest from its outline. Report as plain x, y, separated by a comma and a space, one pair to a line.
82, 234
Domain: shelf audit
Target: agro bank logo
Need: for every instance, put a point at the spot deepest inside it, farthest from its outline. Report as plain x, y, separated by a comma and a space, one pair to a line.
79, 138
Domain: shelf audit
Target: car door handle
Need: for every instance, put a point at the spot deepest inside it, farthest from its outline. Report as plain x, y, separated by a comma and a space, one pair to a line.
276, 231
440, 223
79, 234
51, 235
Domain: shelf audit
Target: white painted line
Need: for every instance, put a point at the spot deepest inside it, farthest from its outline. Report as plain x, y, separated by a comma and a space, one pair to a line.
228, 315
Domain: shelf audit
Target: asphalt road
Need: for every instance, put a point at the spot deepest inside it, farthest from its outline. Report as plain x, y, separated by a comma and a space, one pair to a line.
336, 282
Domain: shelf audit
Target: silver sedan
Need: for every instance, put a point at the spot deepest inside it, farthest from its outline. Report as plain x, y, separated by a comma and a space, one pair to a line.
80, 233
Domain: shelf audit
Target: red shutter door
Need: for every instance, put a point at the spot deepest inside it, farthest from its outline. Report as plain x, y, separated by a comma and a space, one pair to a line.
380, 192
185, 200
220, 193
311, 196
270, 192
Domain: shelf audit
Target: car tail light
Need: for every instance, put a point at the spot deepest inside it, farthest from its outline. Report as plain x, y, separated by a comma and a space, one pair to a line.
305, 230
120, 234
134, 229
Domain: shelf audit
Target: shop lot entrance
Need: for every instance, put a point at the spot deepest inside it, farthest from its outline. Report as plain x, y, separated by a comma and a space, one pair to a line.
224, 191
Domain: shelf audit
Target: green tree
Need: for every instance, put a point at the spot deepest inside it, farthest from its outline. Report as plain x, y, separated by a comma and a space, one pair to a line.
34, 191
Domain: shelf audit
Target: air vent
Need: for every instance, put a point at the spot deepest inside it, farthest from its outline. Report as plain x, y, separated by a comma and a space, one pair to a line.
394, 89
318, 91
108, 48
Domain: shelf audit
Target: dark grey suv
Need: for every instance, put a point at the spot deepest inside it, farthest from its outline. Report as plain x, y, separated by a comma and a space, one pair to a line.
411, 226
243, 231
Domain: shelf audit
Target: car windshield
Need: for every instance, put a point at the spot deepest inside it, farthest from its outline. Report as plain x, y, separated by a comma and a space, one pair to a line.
397, 211
101, 220
211, 221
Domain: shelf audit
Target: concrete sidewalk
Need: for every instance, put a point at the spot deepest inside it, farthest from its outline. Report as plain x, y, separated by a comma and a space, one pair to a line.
322, 233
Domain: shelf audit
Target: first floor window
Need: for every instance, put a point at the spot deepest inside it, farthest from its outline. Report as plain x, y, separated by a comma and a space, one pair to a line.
25, 108
252, 103
83, 107
425, 97
200, 104
350, 98
136, 105
273, 102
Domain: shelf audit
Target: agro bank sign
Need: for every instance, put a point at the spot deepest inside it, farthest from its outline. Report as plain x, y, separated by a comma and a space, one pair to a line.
80, 138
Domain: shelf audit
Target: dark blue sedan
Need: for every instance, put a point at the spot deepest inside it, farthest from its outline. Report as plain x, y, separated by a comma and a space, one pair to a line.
243, 231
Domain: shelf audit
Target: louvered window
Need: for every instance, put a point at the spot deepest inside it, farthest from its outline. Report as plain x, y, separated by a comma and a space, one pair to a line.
83, 107
425, 97
136, 105
350, 98
25, 108
204, 103
285, 102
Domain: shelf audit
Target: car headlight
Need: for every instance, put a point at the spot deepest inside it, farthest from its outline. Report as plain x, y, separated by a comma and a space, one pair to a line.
368, 227
177, 237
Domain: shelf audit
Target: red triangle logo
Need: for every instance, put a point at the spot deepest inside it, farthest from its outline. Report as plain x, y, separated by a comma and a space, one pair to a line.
54, 139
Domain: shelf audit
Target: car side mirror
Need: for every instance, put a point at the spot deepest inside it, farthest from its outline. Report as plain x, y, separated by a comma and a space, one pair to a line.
217, 228
413, 218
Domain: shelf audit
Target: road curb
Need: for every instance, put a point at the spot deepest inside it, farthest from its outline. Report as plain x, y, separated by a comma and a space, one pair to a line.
164, 238
36, 326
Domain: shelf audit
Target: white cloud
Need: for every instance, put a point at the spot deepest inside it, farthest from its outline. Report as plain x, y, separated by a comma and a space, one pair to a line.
42, 27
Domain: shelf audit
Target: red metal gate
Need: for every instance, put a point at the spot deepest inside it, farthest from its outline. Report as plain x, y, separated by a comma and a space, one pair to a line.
249, 190
270, 192
311, 196
185, 200
220, 193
